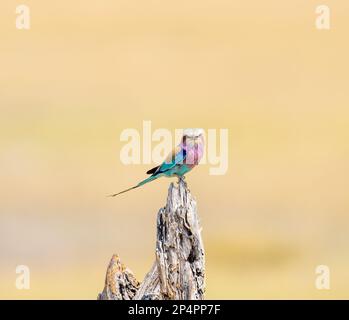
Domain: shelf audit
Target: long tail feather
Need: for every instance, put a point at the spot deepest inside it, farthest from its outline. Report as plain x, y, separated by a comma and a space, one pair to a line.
115, 194
151, 178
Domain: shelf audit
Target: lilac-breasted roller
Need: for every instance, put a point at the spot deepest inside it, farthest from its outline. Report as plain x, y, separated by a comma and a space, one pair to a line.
181, 160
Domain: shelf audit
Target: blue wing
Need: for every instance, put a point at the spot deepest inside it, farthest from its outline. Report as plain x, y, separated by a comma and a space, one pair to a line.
177, 156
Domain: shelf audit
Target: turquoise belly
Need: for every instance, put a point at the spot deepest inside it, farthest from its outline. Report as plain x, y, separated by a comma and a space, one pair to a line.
179, 170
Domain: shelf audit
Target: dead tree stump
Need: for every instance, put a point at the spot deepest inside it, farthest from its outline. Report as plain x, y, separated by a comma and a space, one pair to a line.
178, 272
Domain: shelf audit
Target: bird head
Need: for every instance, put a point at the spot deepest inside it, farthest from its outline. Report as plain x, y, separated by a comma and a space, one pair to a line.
193, 134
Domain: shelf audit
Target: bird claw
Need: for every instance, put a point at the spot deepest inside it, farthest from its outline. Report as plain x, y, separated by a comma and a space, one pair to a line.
181, 180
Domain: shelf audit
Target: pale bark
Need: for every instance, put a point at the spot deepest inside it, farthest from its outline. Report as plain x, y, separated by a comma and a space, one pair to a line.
179, 268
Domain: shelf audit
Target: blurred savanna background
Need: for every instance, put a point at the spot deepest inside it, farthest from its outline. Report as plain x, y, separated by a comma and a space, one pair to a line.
86, 70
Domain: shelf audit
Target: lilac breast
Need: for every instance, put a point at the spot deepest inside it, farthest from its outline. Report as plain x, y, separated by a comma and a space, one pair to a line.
194, 152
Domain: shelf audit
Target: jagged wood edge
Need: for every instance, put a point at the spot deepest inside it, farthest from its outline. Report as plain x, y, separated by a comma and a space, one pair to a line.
179, 269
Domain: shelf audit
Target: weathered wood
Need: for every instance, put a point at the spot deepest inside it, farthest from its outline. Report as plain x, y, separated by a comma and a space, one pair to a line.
120, 283
179, 268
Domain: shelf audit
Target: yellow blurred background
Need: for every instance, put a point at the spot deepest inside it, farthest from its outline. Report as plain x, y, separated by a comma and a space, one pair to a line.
86, 70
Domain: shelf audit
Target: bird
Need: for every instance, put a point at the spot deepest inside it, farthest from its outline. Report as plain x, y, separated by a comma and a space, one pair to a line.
180, 161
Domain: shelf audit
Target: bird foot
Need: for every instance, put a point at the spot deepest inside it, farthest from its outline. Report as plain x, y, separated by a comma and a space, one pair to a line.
181, 180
